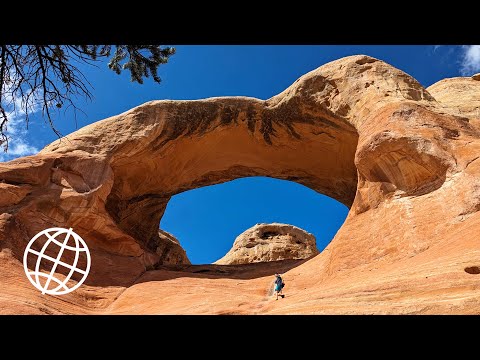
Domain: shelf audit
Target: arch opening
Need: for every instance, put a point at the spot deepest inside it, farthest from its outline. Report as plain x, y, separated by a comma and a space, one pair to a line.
317, 152
206, 221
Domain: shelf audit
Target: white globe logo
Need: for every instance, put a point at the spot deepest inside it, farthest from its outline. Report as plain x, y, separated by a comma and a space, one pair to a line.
45, 282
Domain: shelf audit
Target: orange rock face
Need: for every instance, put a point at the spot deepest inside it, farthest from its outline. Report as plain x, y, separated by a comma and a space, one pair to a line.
270, 242
405, 159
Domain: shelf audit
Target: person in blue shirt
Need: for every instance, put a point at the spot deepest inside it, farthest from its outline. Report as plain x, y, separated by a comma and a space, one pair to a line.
279, 284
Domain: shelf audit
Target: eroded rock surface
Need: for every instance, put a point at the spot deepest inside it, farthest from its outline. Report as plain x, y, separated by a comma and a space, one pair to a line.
270, 242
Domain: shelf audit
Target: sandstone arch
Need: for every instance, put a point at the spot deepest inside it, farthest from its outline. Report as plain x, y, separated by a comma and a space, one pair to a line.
356, 129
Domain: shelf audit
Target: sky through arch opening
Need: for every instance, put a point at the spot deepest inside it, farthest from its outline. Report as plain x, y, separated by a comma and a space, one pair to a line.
207, 220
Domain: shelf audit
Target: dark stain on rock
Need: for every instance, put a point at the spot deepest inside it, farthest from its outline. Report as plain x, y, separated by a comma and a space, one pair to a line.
251, 115
187, 119
229, 115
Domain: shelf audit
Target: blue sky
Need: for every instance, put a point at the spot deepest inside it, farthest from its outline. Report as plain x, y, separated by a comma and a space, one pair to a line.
207, 220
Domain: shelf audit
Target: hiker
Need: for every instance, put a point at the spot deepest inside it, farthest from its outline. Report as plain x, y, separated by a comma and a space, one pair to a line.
279, 284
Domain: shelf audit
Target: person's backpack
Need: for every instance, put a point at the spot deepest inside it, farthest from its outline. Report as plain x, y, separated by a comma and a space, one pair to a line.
283, 284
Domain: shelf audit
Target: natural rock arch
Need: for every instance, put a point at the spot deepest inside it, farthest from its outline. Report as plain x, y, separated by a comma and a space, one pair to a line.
356, 129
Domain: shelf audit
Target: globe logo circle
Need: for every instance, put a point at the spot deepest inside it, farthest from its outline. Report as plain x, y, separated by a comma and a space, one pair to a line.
46, 241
